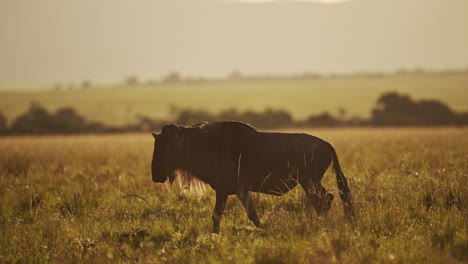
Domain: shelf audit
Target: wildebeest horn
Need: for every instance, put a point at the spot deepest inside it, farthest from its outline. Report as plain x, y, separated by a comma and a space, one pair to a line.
201, 125
155, 135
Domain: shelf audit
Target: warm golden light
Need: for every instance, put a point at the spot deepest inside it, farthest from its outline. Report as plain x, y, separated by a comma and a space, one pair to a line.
318, 1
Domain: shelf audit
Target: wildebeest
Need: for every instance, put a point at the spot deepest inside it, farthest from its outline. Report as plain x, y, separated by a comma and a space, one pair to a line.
235, 158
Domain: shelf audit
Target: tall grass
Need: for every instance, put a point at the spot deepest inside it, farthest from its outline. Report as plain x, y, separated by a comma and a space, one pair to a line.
73, 199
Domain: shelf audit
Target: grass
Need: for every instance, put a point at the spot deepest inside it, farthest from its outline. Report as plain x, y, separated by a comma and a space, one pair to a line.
302, 97
65, 199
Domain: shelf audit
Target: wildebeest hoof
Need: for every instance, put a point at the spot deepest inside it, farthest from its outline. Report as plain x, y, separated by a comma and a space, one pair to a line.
257, 224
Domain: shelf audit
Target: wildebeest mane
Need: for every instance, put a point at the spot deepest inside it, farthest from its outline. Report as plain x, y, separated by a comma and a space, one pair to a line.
186, 181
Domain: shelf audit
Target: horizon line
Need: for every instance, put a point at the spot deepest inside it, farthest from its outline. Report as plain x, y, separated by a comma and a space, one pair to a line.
230, 76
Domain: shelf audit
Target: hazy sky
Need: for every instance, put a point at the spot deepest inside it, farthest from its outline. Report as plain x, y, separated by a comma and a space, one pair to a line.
320, 1
52, 41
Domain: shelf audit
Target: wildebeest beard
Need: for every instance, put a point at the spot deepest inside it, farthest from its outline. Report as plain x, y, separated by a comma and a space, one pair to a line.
234, 158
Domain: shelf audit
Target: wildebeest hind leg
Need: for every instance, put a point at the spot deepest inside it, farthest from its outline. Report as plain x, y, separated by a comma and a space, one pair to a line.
308, 189
244, 196
221, 199
318, 197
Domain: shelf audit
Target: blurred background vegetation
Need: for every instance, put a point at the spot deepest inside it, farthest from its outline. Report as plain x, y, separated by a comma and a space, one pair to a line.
390, 109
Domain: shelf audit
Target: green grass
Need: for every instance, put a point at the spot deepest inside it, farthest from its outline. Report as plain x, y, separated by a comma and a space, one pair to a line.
62, 200
302, 97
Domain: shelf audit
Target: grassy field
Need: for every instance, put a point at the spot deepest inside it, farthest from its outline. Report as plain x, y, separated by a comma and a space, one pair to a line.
120, 104
65, 199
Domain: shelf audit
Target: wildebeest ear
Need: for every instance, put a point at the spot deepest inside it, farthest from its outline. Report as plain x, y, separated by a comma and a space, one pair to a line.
155, 135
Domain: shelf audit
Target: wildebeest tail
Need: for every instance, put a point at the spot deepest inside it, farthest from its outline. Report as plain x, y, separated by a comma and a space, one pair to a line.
345, 193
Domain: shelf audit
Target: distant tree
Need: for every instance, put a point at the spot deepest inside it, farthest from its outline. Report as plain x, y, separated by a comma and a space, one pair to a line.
275, 118
57, 87
35, 121
435, 113
86, 84
270, 118
67, 121
396, 103
131, 81
356, 121
251, 117
234, 75
152, 82
322, 120
394, 109
462, 119
3, 124
96, 127
311, 75
230, 114
149, 124
342, 113
172, 77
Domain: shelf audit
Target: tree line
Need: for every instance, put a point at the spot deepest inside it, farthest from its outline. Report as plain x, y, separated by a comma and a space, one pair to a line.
175, 77
392, 109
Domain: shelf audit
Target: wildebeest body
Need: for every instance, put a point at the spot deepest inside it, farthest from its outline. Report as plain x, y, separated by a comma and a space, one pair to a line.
279, 161
234, 158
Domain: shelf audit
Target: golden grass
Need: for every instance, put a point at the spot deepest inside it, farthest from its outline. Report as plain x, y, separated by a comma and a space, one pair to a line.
64, 199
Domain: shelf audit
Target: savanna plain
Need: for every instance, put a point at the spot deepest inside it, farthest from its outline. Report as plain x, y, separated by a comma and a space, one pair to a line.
90, 198
122, 103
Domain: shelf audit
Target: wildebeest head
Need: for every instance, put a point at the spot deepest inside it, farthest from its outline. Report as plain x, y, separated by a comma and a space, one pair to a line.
167, 148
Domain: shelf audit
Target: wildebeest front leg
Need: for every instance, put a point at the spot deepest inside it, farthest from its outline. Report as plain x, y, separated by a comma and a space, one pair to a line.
244, 196
221, 199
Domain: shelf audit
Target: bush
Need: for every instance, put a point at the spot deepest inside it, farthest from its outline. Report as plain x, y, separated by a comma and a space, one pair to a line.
435, 113
322, 120
3, 124
35, 121
67, 121
268, 119
462, 119
394, 109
